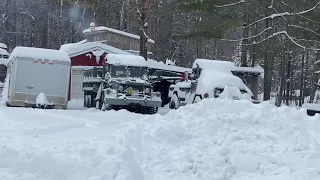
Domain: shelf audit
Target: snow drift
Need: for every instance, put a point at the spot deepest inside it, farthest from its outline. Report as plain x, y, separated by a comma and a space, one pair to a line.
213, 139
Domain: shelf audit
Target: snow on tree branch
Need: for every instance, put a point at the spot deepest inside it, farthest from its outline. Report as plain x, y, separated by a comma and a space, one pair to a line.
284, 3
309, 10
296, 26
237, 40
272, 16
231, 4
309, 19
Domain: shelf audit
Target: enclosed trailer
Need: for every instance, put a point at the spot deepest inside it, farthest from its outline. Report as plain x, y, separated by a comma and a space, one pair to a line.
38, 78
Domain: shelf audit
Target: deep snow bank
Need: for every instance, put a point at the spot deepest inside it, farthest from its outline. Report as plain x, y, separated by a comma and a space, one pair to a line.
213, 139
236, 140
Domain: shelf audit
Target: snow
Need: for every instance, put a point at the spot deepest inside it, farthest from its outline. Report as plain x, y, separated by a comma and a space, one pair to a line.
210, 79
256, 70
39, 53
311, 106
3, 46
103, 28
214, 65
126, 60
160, 65
42, 99
66, 47
89, 46
4, 52
213, 139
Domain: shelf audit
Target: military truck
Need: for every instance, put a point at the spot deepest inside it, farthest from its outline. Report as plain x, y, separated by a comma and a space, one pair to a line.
123, 83
210, 79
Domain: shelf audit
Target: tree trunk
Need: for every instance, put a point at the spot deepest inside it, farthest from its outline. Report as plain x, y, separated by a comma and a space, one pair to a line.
245, 35
302, 80
269, 61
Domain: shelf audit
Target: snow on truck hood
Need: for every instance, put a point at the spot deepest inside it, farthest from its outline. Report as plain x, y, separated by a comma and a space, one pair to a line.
212, 79
40, 53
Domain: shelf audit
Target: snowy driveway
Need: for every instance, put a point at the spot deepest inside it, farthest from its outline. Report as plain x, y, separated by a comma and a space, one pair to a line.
214, 139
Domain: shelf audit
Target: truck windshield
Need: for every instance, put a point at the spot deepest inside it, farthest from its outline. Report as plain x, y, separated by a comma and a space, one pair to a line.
128, 71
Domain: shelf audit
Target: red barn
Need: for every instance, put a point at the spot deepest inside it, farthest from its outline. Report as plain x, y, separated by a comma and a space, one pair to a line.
85, 55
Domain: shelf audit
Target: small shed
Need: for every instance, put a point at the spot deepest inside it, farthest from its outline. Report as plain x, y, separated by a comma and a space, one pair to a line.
86, 55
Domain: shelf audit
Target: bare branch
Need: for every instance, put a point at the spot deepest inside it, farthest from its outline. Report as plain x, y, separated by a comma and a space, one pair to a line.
237, 40
231, 4
296, 26
284, 3
309, 19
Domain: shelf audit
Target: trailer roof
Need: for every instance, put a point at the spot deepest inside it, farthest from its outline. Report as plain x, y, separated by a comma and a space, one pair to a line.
40, 53
126, 60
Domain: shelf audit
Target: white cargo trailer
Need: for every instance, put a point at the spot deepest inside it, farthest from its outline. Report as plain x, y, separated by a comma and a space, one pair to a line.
38, 78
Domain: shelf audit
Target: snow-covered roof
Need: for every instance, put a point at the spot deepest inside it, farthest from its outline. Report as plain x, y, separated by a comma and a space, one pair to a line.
160, 65
213, 64
256, 70
3, 46
126, 60
3, 51
90, 46
311, 106
68, 46
103, 28
39, 53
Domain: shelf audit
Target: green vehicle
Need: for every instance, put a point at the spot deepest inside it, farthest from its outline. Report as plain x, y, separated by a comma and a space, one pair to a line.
122, 83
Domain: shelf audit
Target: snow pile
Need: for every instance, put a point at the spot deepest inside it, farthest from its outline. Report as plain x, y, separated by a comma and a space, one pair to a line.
42, 99
214, 139
218, 139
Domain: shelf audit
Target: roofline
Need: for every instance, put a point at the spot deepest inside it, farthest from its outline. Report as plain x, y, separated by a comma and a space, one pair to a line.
101, 46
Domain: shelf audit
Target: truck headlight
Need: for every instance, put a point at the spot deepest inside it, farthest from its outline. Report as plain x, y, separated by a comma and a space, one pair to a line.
148, 90
120, 88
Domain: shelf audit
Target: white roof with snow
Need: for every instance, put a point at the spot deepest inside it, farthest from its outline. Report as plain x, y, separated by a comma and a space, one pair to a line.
103, 28
3, 46
3, 51
39, 53
91, 46
256, 70
126, 60
68, 46
213, 64
160, 65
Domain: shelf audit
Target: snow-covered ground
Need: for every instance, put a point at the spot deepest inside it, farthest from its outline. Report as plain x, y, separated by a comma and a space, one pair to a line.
214, 139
